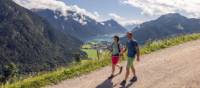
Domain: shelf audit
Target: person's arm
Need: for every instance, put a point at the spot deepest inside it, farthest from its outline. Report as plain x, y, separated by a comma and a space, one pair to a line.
138, 53
124, 50
110, 47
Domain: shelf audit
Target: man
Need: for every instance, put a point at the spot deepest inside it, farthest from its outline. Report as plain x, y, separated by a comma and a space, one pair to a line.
133, 50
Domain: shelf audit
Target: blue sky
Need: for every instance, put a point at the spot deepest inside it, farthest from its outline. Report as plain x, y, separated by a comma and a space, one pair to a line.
138, 10
123, 11
105, 7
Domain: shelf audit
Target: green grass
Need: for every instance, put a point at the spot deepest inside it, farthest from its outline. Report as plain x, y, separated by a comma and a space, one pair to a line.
161, 44
92, 53
91, 65
88, 46
61, 74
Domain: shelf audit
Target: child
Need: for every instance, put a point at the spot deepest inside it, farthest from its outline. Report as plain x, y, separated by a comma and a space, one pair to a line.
115, 48
133, 49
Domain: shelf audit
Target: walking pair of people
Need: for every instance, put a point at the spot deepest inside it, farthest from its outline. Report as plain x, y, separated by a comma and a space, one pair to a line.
133, 51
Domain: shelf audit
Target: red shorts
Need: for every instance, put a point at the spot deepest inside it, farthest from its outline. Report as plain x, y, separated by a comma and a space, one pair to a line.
115, 60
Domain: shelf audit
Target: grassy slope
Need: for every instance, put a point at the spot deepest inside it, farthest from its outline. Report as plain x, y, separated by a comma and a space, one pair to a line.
92, 53
91, 65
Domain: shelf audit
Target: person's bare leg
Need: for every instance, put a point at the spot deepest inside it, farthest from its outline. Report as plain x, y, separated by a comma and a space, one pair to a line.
127, 74
123, 83
133, 71
134, 74
119, 66
113, 69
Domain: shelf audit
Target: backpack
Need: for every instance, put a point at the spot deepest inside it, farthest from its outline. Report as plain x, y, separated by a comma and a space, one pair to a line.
119, 48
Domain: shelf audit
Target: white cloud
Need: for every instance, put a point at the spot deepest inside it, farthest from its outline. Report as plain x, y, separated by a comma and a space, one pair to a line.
160, 7
55, 5
123, 20
115, 16
130, 22
97, 14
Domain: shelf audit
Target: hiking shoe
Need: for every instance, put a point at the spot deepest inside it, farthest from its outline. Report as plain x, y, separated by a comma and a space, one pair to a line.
134, 79
123, 83
120, 71
111, 76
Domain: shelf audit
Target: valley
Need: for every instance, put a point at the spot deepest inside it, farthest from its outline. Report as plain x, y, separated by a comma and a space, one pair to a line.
57, 40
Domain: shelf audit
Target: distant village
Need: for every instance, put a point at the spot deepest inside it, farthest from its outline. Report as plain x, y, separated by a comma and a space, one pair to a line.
102, 45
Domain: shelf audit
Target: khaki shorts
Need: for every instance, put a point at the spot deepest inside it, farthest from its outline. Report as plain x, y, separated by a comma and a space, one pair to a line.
130, 61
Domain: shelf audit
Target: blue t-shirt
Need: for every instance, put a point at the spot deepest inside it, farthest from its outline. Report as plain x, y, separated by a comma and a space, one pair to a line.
131, 46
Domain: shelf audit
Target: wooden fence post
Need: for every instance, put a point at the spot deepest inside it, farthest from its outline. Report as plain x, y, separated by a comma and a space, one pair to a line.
98, 54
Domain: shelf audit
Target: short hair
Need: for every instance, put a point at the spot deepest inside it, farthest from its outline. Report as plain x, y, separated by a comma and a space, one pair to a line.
129, 33
117, 37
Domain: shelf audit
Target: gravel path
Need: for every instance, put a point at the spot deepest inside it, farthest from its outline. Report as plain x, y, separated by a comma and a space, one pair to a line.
175, 67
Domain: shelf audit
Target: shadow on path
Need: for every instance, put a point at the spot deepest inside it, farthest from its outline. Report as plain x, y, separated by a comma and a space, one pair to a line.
107, 83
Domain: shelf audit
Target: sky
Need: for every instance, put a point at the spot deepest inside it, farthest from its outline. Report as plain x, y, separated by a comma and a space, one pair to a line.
123, 11
108, 9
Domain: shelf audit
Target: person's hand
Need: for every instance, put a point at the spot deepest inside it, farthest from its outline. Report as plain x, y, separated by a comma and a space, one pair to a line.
121, 54
138, 59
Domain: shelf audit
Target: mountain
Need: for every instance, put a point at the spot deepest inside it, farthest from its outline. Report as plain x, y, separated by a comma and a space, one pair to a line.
79, 25
169, 25
131, 27
113, 26
30, 43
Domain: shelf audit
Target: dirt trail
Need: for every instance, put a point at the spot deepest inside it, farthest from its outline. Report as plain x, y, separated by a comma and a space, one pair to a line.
175, 67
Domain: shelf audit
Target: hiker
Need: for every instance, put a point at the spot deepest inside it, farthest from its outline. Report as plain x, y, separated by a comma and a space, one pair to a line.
133, 50
115, 49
